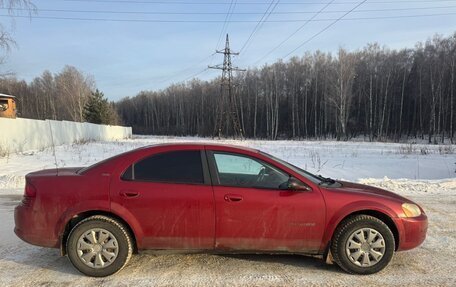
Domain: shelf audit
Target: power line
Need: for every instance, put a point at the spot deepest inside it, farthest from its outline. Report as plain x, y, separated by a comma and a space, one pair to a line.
186, 69
196, 74
232, 21
326, 27
258, 24
224, 13
254, 3
295, 32
224, 24
193, 75
173, 2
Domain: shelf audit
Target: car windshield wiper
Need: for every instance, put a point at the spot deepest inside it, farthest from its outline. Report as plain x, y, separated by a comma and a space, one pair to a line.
326, 180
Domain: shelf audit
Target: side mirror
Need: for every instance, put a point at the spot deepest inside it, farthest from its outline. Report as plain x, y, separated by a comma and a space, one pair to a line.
295, 184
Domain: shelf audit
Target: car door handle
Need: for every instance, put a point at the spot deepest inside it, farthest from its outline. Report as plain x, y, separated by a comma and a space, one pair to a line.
233, 198
129, 193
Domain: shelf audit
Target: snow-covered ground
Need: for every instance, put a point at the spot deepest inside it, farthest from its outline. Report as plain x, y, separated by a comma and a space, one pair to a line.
342, 160
424, 173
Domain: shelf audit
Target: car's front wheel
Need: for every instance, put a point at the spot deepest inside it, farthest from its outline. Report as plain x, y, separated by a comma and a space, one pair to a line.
99, 246
362, 244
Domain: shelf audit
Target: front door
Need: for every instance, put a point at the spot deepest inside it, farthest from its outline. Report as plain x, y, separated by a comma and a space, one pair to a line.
253, 213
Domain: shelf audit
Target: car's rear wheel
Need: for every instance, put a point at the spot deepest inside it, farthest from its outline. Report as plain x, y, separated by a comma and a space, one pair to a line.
362, 244
99, 246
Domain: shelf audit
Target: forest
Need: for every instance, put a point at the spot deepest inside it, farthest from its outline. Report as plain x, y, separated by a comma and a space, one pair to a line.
68, 95
374, 92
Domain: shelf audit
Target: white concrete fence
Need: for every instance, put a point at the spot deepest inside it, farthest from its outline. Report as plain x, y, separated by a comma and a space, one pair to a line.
18, 135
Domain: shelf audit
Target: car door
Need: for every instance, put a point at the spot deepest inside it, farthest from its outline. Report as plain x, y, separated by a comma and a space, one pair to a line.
170, 196
253, 213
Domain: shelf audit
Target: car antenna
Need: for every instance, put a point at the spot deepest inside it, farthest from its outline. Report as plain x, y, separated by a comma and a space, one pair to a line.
53, 149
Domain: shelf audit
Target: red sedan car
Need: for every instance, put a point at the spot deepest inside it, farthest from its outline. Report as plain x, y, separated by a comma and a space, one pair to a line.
213, 198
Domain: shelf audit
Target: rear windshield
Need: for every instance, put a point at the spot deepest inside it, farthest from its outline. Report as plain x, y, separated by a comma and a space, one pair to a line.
85, 169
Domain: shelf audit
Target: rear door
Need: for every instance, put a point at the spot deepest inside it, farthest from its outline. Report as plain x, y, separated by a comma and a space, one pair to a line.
170, 196
253, 213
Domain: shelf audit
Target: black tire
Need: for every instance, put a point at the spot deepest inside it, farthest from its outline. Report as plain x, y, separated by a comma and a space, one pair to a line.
118, 231
346, 229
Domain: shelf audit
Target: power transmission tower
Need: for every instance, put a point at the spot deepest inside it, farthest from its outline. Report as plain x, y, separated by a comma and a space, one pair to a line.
227, 113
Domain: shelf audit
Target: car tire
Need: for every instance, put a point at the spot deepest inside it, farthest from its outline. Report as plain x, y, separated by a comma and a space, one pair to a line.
99, 246
362, 244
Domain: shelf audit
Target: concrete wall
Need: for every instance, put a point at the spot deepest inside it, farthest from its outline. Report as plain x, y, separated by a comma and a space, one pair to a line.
17, 135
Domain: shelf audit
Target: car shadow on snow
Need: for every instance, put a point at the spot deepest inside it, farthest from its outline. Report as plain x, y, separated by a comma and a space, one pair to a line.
302, 261
47, 260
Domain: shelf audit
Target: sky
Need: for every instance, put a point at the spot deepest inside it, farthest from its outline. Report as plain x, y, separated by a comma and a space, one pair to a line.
131, 46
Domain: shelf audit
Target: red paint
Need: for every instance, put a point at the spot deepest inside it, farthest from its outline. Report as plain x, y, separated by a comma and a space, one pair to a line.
203, 216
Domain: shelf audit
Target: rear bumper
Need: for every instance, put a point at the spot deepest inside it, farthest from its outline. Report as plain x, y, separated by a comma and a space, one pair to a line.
29, 230
412, 231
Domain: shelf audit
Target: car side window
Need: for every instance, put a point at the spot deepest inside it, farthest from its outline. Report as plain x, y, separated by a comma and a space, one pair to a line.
243, 171
170, 167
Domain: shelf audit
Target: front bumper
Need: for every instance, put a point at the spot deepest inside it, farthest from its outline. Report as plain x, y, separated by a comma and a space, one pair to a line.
412, 231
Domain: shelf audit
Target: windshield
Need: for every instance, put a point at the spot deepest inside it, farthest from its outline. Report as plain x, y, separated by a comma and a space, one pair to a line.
312, 177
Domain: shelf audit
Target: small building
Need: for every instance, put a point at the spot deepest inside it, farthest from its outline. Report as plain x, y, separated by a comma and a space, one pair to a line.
7, 106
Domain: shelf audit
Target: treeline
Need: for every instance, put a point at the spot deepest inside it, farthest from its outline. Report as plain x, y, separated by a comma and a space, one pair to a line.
375, 92
68, 95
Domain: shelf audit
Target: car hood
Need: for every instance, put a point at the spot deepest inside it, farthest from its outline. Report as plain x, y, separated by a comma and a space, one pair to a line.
371, 190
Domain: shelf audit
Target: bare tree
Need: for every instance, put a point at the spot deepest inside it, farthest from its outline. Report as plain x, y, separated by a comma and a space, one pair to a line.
13, 7
74, 89
343, 89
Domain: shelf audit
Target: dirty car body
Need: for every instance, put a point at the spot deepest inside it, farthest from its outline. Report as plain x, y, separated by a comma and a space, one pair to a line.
214, 198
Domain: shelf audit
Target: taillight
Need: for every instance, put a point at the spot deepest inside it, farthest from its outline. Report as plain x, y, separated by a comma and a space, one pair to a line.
30, 190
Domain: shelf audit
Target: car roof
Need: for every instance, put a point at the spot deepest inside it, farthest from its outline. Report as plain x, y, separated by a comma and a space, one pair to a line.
198, 145
202, 145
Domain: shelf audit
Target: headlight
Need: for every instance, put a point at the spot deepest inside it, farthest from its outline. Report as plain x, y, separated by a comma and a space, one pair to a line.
411, 210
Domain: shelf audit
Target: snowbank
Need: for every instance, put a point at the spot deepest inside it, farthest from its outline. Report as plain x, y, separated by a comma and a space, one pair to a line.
406, 186
18, 135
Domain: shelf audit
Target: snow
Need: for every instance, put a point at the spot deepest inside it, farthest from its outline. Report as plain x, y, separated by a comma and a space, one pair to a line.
342, 160
426, 177
411, 187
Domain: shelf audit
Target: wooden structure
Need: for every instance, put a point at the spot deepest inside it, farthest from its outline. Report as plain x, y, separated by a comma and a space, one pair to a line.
7, 106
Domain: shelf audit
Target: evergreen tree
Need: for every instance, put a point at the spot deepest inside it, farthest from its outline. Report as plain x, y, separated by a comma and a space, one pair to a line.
98, 110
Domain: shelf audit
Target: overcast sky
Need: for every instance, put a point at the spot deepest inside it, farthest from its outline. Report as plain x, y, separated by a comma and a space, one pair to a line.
133, 53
